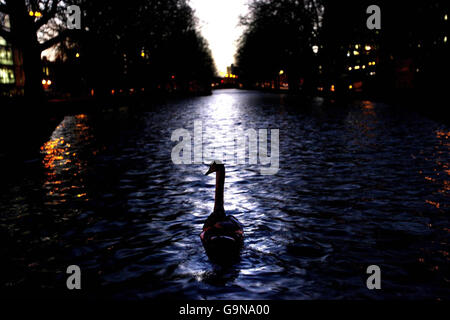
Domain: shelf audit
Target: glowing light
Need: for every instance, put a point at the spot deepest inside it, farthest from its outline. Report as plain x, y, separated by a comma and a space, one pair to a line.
113, 91
367, 48
433, 203
44, 82
281, 72
349, 68
356, 46
332, 87
356, 67
445, 39
49, 82
348, 53
315, 49
356, 52
77, 55
363, 66
142, 54
350, 87
31, 13
37, 14
445, 17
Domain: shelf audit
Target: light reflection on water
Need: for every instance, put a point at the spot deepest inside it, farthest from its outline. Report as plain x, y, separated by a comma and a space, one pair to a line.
357, 185
63, 161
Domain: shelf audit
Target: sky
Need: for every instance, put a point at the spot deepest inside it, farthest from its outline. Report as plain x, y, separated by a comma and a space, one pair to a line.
218, 23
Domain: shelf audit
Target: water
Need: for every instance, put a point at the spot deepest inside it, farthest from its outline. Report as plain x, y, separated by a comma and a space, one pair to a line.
358, 185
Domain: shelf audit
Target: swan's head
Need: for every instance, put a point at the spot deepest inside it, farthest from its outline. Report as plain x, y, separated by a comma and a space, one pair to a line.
215, 166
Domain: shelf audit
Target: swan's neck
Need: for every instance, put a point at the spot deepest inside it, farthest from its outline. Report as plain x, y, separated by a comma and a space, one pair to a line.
220, 182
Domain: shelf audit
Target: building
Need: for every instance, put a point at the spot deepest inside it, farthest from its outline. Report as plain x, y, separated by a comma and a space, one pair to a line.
12, 79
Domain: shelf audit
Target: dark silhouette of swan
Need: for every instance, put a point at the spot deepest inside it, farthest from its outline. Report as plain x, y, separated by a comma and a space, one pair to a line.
222, 234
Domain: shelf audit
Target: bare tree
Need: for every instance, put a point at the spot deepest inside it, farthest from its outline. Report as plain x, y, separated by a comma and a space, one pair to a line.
27, 18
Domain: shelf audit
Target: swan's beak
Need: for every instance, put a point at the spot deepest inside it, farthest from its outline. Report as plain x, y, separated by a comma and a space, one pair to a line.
210, 170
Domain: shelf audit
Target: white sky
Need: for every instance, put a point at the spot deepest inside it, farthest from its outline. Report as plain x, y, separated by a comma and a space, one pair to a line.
218, 22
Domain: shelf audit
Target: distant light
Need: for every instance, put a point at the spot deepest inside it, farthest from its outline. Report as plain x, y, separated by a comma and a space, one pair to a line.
112, 91
49, 82
445, 17
363, 66
142, 54
281, 72
356, 52
92, 92
37, 14
349, 68
315, 49
348, 53
332, 87
31, 13
77, 55
367, 48
44, 82
173, 77
350, 87
357, 46
445, 39
372, 73
417, 70
356, 67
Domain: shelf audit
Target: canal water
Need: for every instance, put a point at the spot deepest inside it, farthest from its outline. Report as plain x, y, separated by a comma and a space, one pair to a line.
358, 185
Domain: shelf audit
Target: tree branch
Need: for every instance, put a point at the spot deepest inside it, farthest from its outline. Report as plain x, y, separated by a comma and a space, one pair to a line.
49, 14
59, 38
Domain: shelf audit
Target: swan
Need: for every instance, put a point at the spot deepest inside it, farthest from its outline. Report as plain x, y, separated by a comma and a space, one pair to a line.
221, 233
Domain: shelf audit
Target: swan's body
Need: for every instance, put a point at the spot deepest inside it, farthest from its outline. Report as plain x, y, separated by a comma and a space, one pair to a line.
222, 230
221, 233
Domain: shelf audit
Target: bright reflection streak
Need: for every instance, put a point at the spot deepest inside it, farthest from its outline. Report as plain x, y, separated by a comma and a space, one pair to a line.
440, 160
62, 160
363, 122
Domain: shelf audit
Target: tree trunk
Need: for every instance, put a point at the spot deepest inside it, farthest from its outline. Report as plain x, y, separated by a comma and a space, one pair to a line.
25, 40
